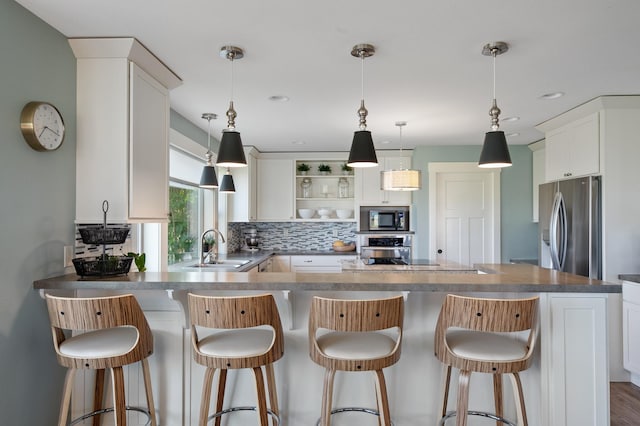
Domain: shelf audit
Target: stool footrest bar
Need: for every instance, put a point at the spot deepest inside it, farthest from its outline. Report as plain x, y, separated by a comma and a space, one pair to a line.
244, 408
110, 410
491, 416
356, 409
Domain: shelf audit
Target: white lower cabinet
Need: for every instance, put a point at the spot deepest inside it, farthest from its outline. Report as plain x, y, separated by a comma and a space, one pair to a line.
574, 364
631, 329
318, 263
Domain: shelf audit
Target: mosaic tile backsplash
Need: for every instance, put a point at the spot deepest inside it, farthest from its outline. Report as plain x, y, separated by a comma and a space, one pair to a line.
292, 235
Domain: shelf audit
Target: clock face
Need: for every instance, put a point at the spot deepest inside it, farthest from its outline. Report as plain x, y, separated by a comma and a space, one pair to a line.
42, 126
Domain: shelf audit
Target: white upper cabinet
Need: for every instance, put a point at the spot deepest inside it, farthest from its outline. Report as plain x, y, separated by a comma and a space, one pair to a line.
367, 180
242, 205
122, 131
275, 192
573, 150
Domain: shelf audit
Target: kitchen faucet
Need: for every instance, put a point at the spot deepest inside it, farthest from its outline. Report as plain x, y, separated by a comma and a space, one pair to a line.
212, 253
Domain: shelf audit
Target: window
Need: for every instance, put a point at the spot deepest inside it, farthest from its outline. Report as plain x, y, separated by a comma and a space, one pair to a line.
185, 220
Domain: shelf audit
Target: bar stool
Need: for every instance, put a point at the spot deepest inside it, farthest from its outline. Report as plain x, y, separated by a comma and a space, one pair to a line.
485, 336
116, 334
244, 342
345, 335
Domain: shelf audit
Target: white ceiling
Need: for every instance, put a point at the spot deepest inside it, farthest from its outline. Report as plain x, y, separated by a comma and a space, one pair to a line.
428, 68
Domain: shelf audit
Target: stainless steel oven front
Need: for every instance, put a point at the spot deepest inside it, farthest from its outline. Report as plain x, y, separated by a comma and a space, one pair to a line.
385, 248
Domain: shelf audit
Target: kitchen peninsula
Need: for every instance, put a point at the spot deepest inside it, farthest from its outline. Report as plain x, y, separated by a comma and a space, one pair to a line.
567, 385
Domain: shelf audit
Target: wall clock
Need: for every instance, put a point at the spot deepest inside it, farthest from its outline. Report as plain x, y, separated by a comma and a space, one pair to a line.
42, 126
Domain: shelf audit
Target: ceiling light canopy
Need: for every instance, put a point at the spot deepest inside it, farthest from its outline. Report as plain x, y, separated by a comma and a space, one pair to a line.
401, 179
231, 152
362, 152
495, 152
208, 179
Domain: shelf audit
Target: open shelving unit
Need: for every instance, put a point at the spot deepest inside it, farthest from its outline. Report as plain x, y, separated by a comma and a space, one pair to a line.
324, 189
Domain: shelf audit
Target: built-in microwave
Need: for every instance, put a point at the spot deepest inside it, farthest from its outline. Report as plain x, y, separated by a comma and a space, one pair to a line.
385, 218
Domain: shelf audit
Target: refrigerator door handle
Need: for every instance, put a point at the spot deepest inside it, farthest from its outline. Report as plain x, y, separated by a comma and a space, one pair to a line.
553, 232
558, 232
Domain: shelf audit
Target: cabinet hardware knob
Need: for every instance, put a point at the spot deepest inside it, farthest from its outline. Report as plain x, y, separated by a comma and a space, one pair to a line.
439, 251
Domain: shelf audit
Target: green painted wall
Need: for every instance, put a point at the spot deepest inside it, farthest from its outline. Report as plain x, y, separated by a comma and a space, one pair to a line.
518, 232
37, 190
187, 128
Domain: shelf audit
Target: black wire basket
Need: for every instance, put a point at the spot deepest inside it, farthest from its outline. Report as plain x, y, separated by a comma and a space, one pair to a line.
102, 235
102, 265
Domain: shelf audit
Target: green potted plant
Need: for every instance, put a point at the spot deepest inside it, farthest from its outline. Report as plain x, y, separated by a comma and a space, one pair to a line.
208, 243
346, 169
139, 259
187, 244
303, 168
324, 169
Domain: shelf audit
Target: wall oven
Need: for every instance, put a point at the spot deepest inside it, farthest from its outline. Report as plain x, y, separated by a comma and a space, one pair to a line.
385, 249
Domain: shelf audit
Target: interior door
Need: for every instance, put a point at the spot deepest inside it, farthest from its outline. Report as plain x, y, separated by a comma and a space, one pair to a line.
464, 209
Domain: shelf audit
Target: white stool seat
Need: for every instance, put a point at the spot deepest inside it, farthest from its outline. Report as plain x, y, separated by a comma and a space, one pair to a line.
240, 342
103, 343
485, 346
356, 345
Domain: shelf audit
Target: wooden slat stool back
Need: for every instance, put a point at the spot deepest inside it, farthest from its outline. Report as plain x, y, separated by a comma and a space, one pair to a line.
116, 333
478, 335
345, 335
244, 342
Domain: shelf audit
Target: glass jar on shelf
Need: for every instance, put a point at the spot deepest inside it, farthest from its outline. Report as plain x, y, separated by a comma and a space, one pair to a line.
306, 187
343, 188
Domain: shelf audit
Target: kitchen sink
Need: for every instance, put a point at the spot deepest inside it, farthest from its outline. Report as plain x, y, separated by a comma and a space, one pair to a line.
221, 264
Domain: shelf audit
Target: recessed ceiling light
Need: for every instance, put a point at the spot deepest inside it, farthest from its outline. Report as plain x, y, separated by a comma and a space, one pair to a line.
278, 98
552, 95
507, 119
298, 142
513, 134
385, 142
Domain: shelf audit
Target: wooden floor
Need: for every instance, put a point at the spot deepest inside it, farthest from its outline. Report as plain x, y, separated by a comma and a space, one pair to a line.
625, 404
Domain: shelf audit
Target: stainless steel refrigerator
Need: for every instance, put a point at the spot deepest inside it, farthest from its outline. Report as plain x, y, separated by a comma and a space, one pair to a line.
570, 226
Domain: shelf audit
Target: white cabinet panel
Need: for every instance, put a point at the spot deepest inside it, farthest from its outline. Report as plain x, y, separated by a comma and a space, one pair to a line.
275, 189
242, 205
574, 149
148, 147
574, 329
631, 329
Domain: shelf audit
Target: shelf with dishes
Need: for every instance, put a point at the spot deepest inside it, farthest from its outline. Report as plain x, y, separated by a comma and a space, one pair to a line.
324, 190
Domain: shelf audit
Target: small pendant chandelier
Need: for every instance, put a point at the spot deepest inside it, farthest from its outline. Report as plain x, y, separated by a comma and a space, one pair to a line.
227, 186
362, 152
231, 152
208, 179
495, 152
401, 179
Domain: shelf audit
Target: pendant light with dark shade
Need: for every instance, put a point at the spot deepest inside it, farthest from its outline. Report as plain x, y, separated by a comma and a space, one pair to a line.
227, 186
208, 179
362, 152
401, 179
231, 152
495, 152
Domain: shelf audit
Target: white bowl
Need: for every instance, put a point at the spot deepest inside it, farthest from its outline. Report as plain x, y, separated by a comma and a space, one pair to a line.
344, 213
306, 213
325, 212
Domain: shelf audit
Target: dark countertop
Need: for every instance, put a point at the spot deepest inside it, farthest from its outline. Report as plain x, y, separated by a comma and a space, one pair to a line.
518, 278
630, 277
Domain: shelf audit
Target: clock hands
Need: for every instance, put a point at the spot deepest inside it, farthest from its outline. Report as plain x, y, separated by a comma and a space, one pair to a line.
49, 129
